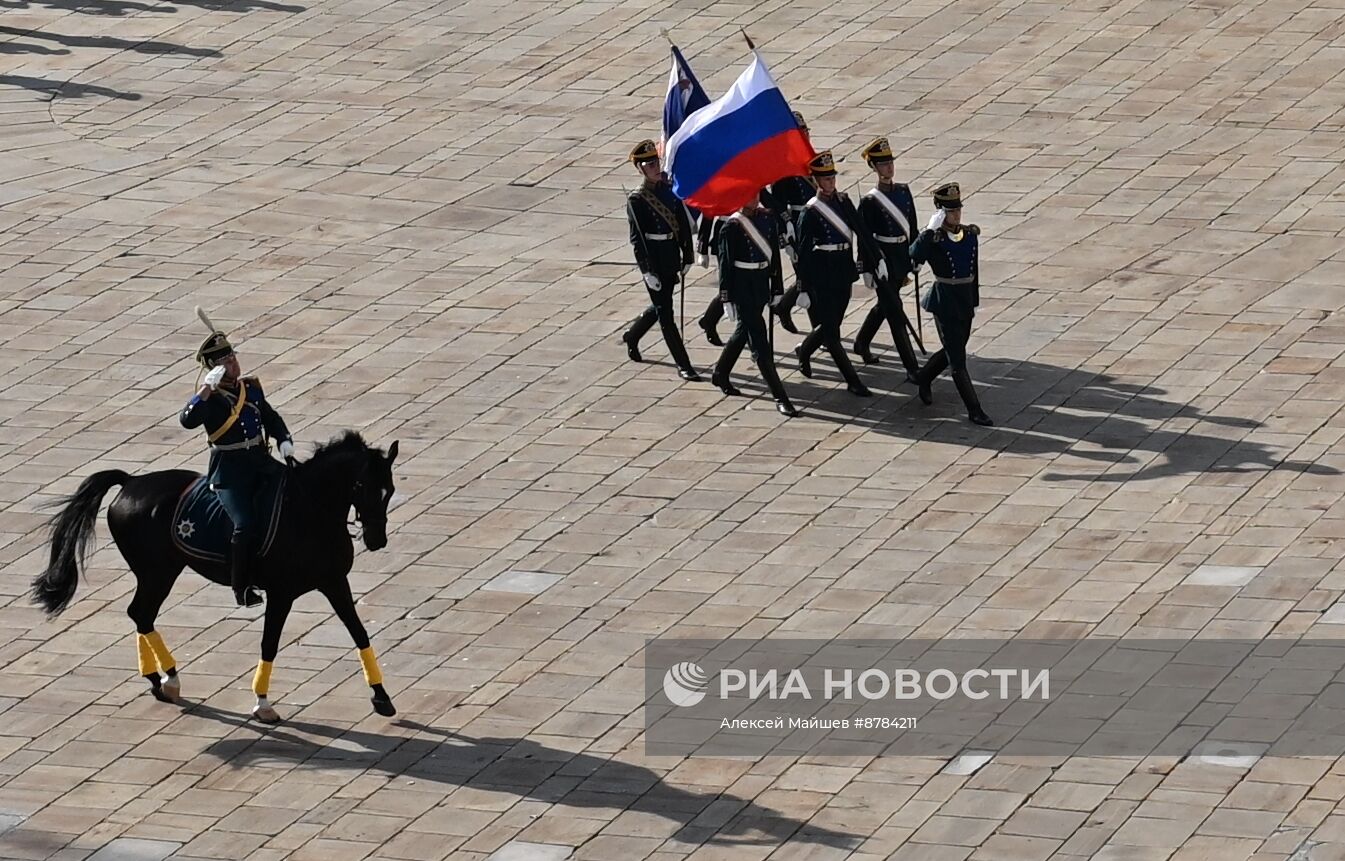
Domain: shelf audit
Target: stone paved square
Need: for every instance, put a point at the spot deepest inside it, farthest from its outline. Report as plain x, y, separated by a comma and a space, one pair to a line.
410, 217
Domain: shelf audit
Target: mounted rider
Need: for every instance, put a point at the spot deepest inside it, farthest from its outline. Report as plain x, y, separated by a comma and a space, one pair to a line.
237, 420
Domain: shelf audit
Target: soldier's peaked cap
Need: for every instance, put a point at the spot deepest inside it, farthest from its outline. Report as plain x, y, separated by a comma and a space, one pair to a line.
948, 196
643, 151
878, 151
823, 164
213, 349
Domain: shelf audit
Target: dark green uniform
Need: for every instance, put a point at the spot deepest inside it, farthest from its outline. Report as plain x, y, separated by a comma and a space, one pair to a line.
660, 235
894, 239
828, 272
749, 277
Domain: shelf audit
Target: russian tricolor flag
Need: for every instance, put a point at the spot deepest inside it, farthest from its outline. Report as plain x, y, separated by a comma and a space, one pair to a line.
742, 142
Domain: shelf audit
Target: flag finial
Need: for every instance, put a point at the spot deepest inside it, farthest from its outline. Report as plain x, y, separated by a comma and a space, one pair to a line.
663, 31
750, 44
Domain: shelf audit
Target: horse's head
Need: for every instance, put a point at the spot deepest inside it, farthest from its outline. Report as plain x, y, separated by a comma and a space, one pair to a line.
373, 492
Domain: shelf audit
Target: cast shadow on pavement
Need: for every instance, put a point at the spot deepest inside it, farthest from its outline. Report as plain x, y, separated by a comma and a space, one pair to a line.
1130, 430
64, 89
104, 42
522, 767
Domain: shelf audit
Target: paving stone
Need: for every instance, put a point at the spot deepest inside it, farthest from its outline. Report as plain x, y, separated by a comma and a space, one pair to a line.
135, 849
1221, 575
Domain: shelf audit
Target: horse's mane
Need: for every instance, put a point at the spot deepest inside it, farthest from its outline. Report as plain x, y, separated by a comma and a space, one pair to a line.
347, 442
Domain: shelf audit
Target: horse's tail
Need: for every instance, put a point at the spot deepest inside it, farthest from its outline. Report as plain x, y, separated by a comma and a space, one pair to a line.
71, 534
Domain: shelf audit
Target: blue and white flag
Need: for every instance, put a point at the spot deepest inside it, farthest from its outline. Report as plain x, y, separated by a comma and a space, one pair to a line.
685, 96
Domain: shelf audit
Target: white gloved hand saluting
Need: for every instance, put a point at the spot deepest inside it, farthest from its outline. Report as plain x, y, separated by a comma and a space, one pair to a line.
868, 280
651, 281
936, 220
703, 259
286, 449
882, 270
212, 379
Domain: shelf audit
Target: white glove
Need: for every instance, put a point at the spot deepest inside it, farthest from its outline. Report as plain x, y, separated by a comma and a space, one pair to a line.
651, 281
703, 260
804, 301
793, 255
286, 449
731, 312
789, 231
776, 300
685, 270
882, 270
213, 378
936, 220
868, 280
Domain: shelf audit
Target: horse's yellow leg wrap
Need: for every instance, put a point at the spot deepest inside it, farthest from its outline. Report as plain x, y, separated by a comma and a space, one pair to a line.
372, 674
261, 680
161, 653
146, 653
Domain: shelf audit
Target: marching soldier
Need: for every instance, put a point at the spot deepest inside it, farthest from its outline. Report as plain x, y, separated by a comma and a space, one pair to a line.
707, 243
237, 420
749, 277
828, 232
660, 233
888, 211
951, 248
789, 197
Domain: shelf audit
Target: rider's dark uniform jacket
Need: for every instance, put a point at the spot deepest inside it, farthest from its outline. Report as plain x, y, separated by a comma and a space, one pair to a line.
245, 438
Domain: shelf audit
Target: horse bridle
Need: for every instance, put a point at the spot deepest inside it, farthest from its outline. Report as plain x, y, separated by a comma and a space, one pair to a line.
357, 520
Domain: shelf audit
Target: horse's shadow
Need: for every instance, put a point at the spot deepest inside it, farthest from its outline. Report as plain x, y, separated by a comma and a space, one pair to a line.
524, 767
1044, 410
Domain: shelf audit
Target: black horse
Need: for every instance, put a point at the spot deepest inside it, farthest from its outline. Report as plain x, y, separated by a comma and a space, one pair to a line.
312, 550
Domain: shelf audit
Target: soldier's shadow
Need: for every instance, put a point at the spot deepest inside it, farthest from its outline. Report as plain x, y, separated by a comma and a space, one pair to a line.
520, 766
1131, 432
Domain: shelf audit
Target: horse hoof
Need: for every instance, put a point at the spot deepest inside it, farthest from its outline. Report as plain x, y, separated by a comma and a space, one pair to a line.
161, 695
266, 714
382, 702
172, 689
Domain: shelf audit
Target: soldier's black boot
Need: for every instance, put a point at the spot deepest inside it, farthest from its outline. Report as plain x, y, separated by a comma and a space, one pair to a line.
638, 327
804, 351
928, 374
727, 359
777, 388
864, 338
678, 350
962, 380
714, 312
786, 305
239, 554
852, 381
906, 350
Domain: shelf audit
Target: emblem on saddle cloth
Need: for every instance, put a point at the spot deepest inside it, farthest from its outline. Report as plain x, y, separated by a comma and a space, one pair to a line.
202, 527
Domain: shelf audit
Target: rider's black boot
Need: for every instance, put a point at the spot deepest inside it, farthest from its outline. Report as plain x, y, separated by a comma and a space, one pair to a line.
239, 554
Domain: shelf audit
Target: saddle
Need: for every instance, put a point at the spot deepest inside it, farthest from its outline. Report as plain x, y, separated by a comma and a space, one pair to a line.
202, 528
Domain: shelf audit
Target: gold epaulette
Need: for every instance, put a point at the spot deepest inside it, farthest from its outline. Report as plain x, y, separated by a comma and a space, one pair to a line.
972, 229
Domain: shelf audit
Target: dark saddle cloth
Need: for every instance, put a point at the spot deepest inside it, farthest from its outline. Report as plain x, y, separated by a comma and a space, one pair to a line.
202, 528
